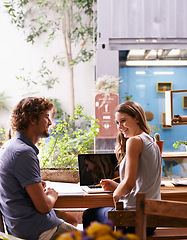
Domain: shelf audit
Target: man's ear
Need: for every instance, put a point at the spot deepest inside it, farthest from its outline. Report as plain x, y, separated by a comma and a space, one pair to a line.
32, 120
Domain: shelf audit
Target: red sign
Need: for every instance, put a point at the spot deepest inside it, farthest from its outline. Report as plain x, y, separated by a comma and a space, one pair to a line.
105, 106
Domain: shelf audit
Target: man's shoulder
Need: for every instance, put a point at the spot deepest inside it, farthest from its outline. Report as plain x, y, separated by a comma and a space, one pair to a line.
15, 145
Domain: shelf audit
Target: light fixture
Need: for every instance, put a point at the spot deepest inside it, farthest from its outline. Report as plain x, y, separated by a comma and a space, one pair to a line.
157, 63
140, 72
163, 73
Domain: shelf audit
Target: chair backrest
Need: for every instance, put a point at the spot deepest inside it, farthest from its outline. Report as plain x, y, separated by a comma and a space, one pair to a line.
151, 213
127, 218
2, 229
173, 213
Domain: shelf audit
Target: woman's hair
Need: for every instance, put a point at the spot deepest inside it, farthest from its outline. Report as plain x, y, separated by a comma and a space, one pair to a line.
103, 167
28, 107
134, 110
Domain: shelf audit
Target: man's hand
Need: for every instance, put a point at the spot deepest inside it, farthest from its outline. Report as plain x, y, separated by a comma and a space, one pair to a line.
51, 193
42, 198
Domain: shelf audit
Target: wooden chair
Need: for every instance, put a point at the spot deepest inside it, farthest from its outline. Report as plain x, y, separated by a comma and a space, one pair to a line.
173, 227
2, 229
165, 209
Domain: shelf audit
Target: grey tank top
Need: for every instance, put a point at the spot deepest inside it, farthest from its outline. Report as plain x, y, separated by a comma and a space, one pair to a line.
149, 173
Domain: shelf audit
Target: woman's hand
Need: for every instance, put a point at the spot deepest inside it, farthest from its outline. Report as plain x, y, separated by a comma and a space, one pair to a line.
108, 185
116, 196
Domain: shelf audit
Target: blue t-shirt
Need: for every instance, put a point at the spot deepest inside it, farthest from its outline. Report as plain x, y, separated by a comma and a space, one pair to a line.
19, 167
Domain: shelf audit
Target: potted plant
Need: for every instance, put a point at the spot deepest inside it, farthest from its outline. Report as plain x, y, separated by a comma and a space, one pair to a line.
106, 85
71, 136
179, 143
159, 142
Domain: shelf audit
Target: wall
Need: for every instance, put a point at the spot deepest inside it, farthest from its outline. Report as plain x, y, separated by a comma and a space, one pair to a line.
143, 88
16, 53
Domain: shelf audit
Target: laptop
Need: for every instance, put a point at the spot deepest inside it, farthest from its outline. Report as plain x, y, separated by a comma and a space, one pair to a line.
94, 167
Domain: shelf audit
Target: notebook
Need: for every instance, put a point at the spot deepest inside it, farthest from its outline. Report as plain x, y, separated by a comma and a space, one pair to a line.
64, 189
93, 168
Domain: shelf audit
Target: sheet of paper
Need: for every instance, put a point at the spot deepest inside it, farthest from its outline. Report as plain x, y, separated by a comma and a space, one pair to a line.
66, 188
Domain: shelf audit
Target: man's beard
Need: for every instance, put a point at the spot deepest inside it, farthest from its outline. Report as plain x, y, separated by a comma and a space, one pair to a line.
45, 134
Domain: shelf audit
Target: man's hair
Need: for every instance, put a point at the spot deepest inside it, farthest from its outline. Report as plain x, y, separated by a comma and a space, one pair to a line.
28, 107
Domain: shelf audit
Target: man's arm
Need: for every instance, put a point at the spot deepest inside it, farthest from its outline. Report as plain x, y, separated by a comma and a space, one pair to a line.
42, 198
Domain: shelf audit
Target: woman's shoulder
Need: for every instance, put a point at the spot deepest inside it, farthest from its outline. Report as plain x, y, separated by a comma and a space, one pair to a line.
134, 140
135, 145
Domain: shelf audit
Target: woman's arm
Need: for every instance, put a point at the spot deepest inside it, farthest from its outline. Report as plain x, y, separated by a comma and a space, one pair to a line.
109, 185
134, 148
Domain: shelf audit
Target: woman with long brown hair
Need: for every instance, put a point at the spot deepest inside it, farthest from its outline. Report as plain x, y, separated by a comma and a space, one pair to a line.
140, 163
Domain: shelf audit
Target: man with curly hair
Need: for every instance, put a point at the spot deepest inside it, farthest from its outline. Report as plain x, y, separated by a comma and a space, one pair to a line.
25, 201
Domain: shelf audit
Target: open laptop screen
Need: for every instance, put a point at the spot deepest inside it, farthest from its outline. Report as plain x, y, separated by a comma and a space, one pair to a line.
94, 167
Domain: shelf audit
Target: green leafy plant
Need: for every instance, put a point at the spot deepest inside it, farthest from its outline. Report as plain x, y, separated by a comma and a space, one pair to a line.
179, 143
127, 97
3, 107
59, 113
3, 103
71, 136
73, 22
2, 136
153, 128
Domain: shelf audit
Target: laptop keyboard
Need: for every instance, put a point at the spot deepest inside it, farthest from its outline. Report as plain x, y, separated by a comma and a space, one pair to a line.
95, 186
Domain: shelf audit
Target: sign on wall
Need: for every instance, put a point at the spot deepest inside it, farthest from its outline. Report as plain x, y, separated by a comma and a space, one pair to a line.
105, 106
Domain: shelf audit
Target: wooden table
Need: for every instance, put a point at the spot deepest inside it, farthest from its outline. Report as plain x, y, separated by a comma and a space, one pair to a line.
85, 201
168, 192
173, 193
